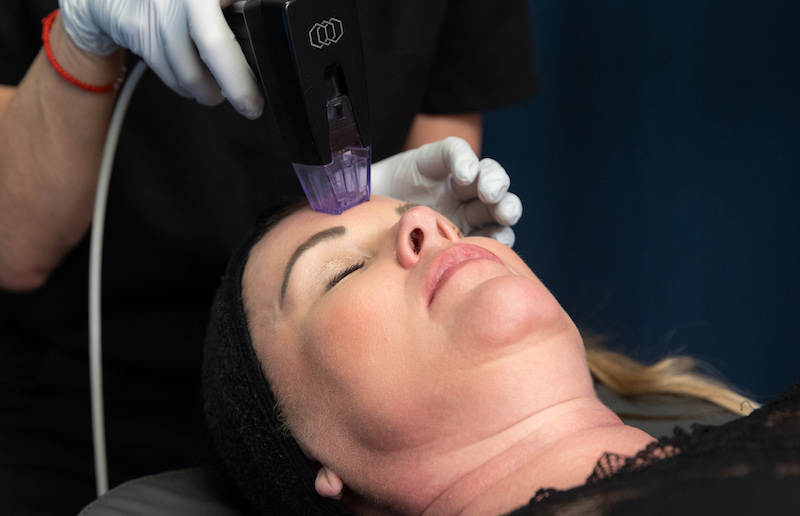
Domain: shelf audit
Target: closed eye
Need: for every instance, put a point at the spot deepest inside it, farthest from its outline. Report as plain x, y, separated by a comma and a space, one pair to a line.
341, 275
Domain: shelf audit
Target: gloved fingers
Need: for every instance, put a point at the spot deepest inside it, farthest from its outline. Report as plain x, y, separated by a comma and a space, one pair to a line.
477, 214
183, 58
507, 212
503, 234
449, 156
221, 53
464, 192
492, 184
162, 67
493, 181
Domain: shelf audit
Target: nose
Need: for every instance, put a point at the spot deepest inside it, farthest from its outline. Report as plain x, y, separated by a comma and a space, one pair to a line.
420, 230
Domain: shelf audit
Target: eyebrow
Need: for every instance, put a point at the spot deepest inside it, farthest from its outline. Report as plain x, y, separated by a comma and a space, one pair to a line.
322, 236
325, 234
405, 207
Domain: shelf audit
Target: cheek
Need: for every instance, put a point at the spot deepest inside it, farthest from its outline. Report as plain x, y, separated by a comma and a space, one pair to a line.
369, 371
343, 330
347, 348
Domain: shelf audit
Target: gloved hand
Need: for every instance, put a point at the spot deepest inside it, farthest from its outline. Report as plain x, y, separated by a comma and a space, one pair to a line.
447, 176
180, 40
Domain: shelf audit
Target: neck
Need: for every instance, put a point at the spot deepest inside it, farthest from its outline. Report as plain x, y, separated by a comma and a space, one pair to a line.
554, 448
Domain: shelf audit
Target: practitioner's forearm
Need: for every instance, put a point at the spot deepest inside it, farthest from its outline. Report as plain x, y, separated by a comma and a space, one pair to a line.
51, 139
432, 128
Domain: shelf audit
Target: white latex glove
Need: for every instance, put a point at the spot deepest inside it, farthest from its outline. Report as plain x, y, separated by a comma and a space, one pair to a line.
447, 176
180, 40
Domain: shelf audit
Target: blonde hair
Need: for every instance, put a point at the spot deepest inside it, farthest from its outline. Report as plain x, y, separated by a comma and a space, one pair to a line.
674, 375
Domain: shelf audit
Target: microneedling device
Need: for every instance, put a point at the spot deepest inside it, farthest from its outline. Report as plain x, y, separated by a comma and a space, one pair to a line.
309, 59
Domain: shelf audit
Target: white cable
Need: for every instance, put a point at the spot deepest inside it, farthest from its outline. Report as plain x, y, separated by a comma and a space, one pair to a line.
95, 269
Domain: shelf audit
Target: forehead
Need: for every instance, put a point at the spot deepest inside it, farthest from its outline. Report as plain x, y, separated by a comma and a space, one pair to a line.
270, 255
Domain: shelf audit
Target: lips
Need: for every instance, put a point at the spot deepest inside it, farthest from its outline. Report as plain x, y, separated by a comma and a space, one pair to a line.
446, 263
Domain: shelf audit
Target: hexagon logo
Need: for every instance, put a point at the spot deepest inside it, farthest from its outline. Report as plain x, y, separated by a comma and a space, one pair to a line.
326, 33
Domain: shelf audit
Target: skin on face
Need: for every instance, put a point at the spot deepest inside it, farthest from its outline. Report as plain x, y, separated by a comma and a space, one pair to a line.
390, 339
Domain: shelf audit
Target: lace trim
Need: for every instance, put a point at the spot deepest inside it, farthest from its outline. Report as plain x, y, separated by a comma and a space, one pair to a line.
612, 463
767, 442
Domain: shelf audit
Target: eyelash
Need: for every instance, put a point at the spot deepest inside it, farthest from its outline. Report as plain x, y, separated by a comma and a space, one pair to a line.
340, 276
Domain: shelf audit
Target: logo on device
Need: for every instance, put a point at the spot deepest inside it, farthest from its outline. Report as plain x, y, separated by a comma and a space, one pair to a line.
326, 33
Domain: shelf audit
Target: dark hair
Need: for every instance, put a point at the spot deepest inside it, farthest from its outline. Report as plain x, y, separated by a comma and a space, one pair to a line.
256, 451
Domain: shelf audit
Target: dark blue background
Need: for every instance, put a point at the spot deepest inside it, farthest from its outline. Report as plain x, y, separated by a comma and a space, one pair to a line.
659, 167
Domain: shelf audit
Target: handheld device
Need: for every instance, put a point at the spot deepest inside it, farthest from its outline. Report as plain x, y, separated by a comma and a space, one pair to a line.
309, 59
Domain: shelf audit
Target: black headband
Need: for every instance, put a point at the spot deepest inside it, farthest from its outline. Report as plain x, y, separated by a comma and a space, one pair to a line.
258, 454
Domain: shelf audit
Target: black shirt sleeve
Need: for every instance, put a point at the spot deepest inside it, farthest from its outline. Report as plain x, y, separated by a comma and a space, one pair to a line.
20, 36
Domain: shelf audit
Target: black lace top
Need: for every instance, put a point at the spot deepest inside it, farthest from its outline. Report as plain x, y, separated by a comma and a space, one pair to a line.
748, 466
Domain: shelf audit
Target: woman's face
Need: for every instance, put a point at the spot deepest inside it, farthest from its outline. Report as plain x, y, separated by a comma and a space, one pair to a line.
384, 333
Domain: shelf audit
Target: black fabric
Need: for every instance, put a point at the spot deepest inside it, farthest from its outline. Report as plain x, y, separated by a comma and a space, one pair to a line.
748, 466
256, 451
188, 183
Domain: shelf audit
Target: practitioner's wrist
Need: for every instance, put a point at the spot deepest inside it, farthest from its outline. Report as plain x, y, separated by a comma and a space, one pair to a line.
83, 65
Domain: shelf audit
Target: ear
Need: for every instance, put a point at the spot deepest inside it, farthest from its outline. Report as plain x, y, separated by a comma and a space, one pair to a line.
328, 484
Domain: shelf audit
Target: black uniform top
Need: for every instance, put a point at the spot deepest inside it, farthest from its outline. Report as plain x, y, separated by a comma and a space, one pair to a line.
188, 182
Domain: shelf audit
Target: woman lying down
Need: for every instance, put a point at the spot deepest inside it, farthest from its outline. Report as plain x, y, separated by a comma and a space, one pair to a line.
378, 362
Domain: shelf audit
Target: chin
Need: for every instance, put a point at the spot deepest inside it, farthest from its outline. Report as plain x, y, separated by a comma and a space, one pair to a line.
507, 310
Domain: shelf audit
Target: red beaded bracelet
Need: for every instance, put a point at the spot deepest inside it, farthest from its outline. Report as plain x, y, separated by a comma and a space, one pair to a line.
47, 23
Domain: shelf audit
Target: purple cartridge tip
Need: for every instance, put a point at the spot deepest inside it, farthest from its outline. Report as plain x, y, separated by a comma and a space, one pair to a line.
339, 185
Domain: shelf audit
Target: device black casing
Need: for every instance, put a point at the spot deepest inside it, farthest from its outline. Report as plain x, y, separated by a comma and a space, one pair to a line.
307, 52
